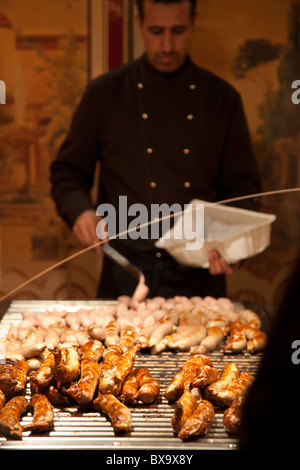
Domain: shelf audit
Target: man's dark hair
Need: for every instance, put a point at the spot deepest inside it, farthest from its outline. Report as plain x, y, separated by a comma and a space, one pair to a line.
140, 5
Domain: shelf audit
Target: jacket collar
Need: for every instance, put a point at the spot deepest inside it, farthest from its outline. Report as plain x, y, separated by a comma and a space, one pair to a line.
152, 71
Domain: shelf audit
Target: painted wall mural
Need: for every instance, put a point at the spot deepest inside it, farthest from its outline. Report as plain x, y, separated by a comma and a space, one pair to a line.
44, 53
256, 47
44, 61
277, 138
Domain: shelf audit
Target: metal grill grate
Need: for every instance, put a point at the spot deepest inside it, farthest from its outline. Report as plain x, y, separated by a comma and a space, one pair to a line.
83, 428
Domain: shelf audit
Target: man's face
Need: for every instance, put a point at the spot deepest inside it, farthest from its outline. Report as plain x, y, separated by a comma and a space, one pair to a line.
166, 30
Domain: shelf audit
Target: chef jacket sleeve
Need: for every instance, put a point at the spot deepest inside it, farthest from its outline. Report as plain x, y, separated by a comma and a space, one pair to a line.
239, 174
72, 173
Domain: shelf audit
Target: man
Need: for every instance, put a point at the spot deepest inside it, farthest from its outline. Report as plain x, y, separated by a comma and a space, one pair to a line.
165, 131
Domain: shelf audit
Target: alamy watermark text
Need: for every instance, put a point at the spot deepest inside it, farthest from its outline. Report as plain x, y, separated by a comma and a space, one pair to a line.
296, 354
2, 92
296, 94
135, 221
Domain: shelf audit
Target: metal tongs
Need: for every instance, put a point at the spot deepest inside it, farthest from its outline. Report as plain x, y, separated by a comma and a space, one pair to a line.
121, 261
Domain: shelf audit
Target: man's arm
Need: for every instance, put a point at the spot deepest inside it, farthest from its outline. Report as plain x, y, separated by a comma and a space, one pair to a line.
84, 229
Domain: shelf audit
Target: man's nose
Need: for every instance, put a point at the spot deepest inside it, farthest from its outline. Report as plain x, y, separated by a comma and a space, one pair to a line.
167, 42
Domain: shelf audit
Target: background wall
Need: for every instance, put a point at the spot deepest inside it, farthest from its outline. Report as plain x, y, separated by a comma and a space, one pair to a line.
45, 63
48, 52
255, 45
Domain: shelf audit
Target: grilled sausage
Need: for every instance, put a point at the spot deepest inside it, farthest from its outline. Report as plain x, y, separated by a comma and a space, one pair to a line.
92, 350
21, 370
97, 332
149, 387
199, 422
176, 387
112, 354
112, 382
82, 337
144, 334
237, 339
31, 346
112, 333
130, 388
250, 317
156, 341
256, 339
7, 378
234, 389
52, 336
125, 364
206, 375
192, 368
184, 378
43, 375
83, 391
127, 338
230, 373
68, 338
162, 329
12, 349
186, 337
66, 366
210, 342
43, 415
55, 397
184, 407
232, 418
117, 412
10, 417
2, 400
219, 321
34, 363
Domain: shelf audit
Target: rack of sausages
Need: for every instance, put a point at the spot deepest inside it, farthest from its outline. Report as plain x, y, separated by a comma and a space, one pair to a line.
92, 376
198, 387
86, 358
196, 324
106, 380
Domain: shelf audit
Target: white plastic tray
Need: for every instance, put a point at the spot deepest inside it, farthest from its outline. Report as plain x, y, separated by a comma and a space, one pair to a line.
235, 233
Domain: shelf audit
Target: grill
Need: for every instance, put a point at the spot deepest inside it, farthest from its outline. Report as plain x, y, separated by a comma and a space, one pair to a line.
83, 428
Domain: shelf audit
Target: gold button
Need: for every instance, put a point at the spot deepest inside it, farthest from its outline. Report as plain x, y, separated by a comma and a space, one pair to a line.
187, 184
153, 184
186, 151
190, 117
145, 116
158, 254
192, 86
140, 86
149, 150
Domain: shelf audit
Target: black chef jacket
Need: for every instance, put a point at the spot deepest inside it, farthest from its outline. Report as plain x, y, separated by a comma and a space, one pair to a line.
160, 138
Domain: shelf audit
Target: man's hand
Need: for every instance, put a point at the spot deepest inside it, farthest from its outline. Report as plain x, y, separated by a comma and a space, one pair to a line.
217, 264
84, 229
